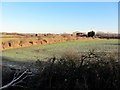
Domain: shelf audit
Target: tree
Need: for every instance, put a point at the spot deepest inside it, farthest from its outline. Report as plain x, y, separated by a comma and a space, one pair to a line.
91, 34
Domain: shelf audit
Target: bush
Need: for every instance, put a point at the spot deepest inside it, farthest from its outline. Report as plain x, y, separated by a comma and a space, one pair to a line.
92, 70
91, 34
87, 71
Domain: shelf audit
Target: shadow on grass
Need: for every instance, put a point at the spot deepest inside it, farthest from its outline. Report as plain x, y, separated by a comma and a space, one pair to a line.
15, 63
9, 68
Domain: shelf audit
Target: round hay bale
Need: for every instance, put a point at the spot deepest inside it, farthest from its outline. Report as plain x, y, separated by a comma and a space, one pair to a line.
24, 43
5, 45
38, 42
13, 43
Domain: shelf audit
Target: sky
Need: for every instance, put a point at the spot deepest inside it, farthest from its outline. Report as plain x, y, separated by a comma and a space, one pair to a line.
59, 17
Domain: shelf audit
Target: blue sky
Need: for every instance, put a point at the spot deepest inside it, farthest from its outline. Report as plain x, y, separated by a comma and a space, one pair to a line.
59, 17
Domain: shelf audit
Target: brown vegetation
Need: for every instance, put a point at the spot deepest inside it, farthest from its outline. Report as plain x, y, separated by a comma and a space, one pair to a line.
37, 39
108, 35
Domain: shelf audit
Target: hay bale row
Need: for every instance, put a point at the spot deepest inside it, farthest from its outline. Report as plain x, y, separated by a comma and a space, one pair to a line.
40, 41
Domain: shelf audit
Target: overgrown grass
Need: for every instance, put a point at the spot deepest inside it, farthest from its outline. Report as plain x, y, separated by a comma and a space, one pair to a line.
88, 71
75, 70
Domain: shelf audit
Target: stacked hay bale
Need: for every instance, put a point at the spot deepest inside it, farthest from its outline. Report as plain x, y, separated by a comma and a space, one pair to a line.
39, 39
68, 37
24, 43
5, 45
14, 43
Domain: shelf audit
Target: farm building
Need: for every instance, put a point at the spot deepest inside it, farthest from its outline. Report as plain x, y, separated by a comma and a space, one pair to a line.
79, 34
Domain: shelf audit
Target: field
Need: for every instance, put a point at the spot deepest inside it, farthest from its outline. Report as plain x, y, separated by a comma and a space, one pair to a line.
79, 64
43, 52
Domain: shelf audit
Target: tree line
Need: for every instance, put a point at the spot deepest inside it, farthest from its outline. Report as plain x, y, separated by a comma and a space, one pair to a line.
103, 35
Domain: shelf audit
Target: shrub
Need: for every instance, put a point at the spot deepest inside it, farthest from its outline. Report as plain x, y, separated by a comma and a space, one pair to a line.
91, 34
87, 71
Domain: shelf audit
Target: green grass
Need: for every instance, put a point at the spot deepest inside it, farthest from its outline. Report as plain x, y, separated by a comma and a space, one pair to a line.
43, 52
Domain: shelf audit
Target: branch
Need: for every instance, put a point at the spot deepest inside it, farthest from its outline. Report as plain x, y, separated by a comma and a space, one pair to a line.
17, 79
